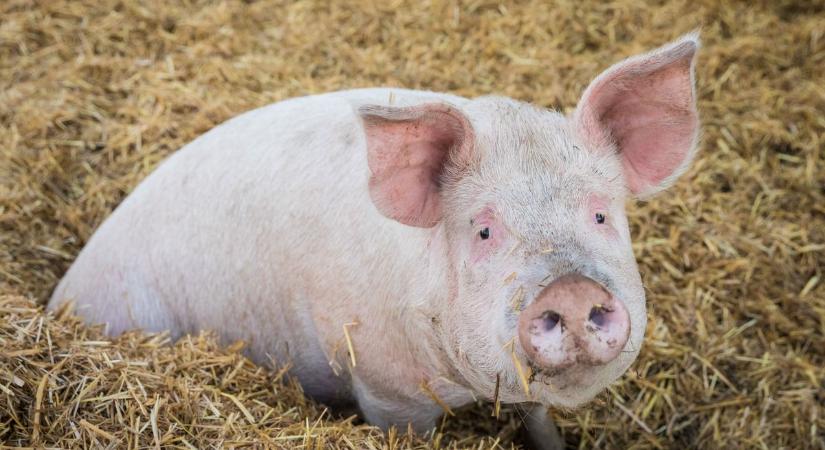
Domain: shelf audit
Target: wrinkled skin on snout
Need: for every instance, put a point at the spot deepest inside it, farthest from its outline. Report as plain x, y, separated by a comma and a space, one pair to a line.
408, 251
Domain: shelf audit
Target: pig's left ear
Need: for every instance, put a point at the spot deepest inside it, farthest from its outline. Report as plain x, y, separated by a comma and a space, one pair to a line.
645, 109
411, 152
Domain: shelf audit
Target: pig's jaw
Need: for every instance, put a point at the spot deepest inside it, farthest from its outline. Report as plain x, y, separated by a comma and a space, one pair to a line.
571, 388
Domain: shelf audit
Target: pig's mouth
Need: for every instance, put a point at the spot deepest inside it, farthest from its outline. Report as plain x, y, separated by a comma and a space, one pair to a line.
558, 379
581, 373
564, 388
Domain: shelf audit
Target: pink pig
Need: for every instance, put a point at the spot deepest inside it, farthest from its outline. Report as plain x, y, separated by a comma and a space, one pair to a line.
408, 250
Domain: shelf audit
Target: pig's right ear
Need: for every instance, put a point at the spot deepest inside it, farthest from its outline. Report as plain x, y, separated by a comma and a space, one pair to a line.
408, 151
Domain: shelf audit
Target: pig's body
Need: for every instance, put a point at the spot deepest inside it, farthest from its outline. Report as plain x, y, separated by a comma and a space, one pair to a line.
463, 248
251, 232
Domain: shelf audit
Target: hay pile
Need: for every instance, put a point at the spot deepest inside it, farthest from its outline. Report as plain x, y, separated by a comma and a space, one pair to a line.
93, 94
65, 385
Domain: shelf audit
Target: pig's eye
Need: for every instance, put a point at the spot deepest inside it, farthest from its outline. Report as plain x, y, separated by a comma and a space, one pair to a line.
484, 234
600, 218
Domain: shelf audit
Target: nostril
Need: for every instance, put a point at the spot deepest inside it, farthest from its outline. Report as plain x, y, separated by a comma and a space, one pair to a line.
598, 315
573, 322
549, 320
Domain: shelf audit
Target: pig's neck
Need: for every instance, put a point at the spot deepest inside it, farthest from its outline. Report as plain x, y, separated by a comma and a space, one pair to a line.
432, 287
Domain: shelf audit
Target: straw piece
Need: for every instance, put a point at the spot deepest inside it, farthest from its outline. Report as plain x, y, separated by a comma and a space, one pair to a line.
518, 244
517, 299
424, 386
496, 401
94, 429
523, 375
349, 341
38, 402
509, 279
240, 406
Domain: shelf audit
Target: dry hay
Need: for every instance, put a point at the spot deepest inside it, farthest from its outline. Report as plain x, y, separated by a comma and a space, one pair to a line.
93, 94
64, 384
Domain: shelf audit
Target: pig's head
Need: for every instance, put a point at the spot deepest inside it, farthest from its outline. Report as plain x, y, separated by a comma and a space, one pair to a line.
544, 287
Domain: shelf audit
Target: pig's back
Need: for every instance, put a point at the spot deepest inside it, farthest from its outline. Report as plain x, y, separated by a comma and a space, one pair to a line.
250, 227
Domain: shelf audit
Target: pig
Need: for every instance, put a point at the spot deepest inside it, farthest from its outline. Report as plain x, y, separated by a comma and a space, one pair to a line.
406, 252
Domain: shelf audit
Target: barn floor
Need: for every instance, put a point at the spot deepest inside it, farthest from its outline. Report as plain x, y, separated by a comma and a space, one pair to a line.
94, 93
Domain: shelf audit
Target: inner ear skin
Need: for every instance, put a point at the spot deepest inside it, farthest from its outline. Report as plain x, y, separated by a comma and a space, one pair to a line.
409, 152
646, 107
652, 162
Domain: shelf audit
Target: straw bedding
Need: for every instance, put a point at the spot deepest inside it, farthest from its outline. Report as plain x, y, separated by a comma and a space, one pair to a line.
93, 94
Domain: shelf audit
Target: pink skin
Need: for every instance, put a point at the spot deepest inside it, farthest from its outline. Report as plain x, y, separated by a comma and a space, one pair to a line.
406, 151
640, 112
573, 321
646, 108
483, 248
599, 204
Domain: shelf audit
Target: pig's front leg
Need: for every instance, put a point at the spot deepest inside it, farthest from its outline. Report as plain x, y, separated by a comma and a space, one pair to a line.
386, 412
542, 433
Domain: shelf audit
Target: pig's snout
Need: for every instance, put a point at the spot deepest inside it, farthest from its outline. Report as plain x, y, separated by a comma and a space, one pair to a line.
573, 321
